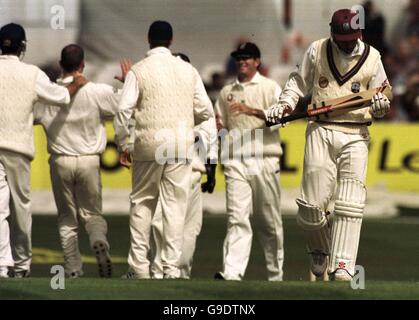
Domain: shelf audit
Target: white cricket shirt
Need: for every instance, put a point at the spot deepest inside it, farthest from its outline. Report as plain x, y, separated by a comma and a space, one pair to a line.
78, 129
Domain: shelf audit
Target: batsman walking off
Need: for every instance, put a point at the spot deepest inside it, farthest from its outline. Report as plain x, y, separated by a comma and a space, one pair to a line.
336, 151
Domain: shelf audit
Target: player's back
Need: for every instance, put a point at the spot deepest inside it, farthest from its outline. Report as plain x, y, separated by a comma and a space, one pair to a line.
78, 129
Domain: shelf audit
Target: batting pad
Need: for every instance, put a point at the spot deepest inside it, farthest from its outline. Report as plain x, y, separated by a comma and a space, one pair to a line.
316, 229
349, 208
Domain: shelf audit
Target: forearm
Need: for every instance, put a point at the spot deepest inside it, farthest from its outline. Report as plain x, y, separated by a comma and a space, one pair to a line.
122, 132
73, 88
127, 103
258, 113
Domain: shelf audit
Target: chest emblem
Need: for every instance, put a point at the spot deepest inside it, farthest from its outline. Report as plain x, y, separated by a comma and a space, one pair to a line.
323, 82
356, 86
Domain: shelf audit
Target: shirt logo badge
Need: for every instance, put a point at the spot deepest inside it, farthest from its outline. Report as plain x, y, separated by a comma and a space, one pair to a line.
323, 82
356, 86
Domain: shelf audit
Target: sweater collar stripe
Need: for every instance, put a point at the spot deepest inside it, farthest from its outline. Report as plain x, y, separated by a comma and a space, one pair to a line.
342, 79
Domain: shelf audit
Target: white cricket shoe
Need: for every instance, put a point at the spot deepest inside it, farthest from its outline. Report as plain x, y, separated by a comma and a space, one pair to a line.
131, 275
318, 263
341, 275
224, 276
170, 277
4, 272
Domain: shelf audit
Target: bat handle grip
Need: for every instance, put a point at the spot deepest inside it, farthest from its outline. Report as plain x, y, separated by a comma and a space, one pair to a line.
289, 118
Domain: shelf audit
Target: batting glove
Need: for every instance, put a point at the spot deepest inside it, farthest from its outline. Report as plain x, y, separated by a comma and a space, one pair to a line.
380, 105
274, 113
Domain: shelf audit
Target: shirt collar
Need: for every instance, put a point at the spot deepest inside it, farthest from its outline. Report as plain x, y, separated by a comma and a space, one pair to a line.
256, 79
159, 50
65, 81
9, 57
358, 51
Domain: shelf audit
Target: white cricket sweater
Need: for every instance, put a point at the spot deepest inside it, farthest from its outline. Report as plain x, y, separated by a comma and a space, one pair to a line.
17, 96
165, 109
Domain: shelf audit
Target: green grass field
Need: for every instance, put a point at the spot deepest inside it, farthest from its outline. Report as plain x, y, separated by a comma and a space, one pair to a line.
388, 252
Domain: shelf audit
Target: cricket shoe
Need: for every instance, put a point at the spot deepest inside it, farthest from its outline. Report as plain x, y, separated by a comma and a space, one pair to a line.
103, 259
4, 272
75, 275
340, 275
130, 275
170, 277
19, 274
219, 276
318, 263
224, 276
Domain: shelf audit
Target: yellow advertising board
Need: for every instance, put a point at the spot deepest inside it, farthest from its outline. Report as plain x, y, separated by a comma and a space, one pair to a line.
393, 159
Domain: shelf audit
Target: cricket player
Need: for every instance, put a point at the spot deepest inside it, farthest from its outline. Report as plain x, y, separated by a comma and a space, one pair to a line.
336, 151
251, 164
204, 162
21, 86
162, 92
76, 138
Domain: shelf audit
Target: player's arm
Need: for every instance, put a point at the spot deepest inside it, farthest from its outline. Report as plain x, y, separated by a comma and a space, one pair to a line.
202, 104
209, 136
107, 97
300, 83
52, 93
220, 111
301, 80
127, 103
242, 108
380, 103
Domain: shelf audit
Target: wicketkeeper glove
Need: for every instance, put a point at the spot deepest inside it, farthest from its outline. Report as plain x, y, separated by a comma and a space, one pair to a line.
380, 105
209, 185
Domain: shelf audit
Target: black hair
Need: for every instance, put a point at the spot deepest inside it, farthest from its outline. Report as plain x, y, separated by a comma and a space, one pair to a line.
160, 43
160, 34
71, 57
12, 39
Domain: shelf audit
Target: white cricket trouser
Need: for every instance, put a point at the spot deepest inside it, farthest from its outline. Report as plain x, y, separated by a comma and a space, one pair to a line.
77, 188
260, 194
17, 167
192, 228
335, 159
330, 156
6, 259
171, 184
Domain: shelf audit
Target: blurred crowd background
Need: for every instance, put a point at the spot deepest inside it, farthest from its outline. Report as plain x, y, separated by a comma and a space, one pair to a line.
208, 30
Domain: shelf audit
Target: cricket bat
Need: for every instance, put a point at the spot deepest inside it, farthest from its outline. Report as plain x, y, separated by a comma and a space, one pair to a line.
353, 101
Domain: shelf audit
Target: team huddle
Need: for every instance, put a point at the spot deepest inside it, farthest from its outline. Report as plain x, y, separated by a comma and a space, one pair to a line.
162, 107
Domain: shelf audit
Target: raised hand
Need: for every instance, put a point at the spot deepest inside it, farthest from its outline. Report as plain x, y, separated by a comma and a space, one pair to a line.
125, 65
